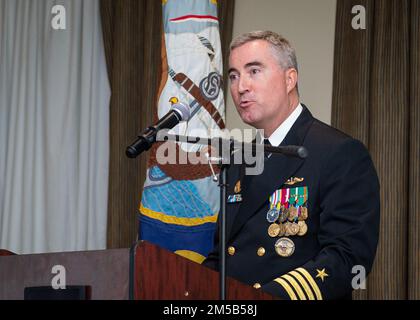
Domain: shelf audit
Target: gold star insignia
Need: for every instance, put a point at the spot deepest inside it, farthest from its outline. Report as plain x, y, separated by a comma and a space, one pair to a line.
321, 274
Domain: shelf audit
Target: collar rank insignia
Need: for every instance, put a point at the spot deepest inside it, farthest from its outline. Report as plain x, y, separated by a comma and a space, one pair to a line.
293, 180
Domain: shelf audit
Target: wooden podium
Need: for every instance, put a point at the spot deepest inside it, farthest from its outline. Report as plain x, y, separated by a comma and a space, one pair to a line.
144, 272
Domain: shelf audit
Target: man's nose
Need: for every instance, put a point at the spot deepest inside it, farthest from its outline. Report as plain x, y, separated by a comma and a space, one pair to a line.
243, 85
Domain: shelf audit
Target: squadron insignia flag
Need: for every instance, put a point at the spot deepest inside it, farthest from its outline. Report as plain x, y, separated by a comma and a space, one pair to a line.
180, 203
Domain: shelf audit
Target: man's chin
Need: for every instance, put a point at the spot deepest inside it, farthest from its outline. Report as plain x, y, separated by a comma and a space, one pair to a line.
250, 121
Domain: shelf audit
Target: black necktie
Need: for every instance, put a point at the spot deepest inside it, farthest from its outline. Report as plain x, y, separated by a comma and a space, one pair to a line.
267, 154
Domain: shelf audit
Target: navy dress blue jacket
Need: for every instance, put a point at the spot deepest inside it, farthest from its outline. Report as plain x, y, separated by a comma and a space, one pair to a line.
340, 188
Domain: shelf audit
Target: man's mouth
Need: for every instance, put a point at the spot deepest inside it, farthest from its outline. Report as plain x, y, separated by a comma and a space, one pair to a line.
245, 103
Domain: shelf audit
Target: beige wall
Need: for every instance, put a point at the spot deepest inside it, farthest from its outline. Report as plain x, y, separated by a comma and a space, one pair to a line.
310, 26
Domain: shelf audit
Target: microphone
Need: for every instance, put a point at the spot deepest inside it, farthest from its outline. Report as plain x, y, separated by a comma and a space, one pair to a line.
293, 151
179, 112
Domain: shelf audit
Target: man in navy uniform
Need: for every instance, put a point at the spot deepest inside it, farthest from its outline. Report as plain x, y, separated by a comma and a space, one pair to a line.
301, 228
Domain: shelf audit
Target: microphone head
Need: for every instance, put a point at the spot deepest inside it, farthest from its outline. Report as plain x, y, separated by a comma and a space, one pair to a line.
183, 110
302, 152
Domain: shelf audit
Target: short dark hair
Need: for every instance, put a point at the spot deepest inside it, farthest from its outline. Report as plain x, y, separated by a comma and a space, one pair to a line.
282, 49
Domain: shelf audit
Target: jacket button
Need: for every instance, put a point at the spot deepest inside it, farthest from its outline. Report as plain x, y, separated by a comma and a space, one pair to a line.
261, 251
257, 285
231, 250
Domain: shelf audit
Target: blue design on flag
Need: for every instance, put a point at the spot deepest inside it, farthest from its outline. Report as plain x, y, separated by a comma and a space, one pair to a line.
177, 198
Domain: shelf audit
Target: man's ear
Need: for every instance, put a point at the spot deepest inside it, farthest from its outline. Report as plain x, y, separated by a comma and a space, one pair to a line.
291, 79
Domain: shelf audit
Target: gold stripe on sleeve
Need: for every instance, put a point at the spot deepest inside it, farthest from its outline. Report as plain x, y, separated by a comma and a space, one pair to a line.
304, 284
295, 285
286, 287
311, 282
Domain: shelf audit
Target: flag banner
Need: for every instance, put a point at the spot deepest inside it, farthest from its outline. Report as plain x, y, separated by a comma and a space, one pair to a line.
180, 202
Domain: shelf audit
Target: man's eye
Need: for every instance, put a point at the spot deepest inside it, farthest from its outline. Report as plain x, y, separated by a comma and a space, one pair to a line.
233, 77
255, 71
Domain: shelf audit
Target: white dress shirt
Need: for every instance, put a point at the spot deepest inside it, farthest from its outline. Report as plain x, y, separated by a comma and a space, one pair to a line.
280, 133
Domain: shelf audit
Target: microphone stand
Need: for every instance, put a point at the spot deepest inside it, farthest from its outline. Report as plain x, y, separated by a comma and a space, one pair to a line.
222, 231
297, 151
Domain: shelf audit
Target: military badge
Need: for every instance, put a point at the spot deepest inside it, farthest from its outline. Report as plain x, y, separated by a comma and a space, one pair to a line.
237, 188
272, 215
287, 214
293, 180
234, 198
237, 197
303, 228
273, 212
273, 230
284, 247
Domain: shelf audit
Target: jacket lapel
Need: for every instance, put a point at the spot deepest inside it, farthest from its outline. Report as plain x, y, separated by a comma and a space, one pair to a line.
277, 169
